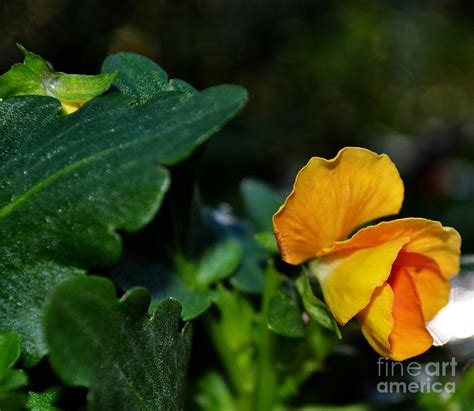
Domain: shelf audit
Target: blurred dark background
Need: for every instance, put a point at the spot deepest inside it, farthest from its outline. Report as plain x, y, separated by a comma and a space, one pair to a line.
393, 76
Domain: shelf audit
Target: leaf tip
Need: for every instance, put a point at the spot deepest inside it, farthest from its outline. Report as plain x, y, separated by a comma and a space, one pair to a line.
22, 49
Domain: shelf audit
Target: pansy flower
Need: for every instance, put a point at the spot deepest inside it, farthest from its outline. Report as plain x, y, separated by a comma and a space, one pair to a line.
393, 276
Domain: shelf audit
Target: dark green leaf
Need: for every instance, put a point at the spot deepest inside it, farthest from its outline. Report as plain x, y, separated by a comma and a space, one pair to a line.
315, 308
111, 346
284, 316
260, 202
139, 77
69, 183
163, 285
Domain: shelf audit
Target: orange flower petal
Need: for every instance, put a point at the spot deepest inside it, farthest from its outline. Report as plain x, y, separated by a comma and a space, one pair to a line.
330, 198
376, 320
393, 323
427, 237
431, 287
409, 336
348, 278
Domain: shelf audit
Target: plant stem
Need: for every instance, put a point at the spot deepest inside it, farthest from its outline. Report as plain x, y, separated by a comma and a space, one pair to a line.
266, 384
247, 354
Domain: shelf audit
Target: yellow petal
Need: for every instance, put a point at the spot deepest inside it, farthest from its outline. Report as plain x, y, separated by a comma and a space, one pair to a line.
409, 336
330, 198
348, 278
376, 320
427, 237
431, 287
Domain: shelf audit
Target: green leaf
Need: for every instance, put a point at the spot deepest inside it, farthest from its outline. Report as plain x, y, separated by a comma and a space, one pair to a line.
139, 77
12, 380
34, 77
9, 352
284, 315
12, 401
232, 332
218, 262
163, 284
260, 202
300, 359
43, 401
248, 277
214, 394
191, 286
68, 184
268, 241
127, 360
315, 308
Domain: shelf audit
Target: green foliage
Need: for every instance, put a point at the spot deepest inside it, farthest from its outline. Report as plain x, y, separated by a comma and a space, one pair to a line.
261, 202
249, 276
218, 262
69, 184
191, 281
214, 394
43, 401
355, 407
10, 379
164, 284
232, 333
268, 241
9, 352
315, 308
462, 399
128, 360
284, 315
34, 77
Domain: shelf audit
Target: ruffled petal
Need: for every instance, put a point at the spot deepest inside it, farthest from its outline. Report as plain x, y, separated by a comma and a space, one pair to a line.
330, 198
429, 238
431, 287
348, 278
409, 336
